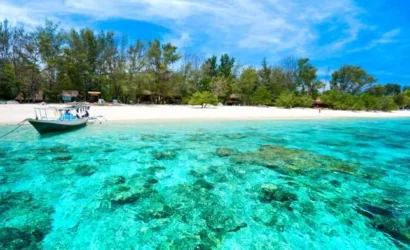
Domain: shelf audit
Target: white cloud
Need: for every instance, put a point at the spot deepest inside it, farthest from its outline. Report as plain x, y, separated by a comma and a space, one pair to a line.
16, 14
385, 38
278, 27
181, 41
349, 35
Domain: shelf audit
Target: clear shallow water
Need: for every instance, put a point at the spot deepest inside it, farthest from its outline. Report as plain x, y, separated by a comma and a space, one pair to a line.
329, 184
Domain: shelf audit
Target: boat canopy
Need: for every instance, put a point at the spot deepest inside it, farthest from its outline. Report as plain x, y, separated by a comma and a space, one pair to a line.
66, 113
47, 113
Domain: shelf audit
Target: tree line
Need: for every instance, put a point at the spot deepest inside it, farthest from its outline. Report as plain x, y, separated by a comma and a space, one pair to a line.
52, 59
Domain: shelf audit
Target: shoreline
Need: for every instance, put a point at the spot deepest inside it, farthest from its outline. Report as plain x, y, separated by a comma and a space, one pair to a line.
305, 118
14, 113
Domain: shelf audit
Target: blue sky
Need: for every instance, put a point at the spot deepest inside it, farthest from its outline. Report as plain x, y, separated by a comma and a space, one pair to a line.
374, 34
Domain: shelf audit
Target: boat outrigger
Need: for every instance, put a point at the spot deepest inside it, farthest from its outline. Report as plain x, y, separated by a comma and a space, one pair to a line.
49, 120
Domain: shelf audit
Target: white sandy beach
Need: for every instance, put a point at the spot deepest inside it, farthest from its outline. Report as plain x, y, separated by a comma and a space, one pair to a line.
13, 113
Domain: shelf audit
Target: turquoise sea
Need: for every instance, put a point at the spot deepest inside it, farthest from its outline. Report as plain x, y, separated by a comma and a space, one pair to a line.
313, 184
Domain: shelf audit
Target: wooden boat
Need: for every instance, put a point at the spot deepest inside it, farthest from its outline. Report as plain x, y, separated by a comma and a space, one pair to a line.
59, 120
45, 127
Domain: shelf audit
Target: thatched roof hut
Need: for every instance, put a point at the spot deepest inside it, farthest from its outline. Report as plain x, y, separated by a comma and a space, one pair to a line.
37, 97
93, 96
234, 96
234, 99
318, 103
94, 93
145, 96
69, 95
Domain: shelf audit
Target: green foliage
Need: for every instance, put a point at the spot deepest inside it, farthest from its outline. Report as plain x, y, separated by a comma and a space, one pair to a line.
203, 98
160, 58
402, 100
221, 86
386, 103
50, 39
277, 81
377, 90
356, 104
373, 103
262, 96
211, 66
305, 77
265, 73
204, 84
51, 59
226, 66
304, 101
392, 89
247, 83
351, 79
223, 69
8, 82
286, 99
345, 101
218, 78
370, 102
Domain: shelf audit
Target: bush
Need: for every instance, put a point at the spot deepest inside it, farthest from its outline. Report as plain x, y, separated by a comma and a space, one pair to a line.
262, 96
203, 98
331, 98
402, 100
8, 82
286, 99
358, 104
304, 101
386, 103
371, 102
345, 101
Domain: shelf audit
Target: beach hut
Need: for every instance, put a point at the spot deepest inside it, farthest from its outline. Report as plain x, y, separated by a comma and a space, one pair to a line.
175, 100
234, 99
145, 97
69, 95
171, 99
93, 96
318, 103
37, 97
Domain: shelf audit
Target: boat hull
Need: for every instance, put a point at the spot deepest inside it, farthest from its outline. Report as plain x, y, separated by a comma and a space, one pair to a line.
46, 127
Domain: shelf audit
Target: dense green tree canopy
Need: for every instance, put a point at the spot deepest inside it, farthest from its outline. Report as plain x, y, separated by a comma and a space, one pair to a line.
392, 89
203, 98
305, 77
8, 82
286, 99
262, 96
247, 83
50, 59
351, 79
265, 73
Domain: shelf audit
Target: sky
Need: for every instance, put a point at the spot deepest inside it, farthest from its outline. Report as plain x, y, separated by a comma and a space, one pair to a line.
373, 34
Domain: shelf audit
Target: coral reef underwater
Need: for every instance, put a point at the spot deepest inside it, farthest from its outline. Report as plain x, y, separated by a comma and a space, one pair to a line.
337, 184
